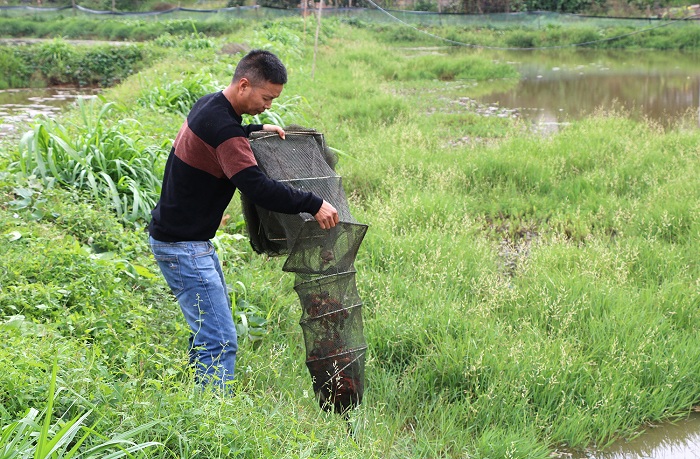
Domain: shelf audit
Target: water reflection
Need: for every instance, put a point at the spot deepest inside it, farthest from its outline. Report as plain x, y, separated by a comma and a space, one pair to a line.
19, 106
556, 86
679, 440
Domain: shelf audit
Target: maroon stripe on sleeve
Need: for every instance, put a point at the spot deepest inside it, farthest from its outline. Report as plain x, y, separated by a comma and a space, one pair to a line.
196, 153
235, 155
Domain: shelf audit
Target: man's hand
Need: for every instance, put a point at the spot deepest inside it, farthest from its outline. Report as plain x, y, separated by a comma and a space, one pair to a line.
274, 128
327, 216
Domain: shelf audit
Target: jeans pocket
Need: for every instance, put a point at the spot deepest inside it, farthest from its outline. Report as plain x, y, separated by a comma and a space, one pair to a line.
202, 249
204, 256
170, 267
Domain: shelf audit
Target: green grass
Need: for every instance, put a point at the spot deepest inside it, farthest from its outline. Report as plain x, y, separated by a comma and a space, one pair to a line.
683, 35
522, 294
473, 30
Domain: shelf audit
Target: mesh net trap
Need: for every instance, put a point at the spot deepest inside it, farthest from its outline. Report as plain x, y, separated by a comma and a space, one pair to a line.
322, 261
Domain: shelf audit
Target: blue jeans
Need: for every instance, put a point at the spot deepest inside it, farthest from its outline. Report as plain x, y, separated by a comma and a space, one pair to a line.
193, 273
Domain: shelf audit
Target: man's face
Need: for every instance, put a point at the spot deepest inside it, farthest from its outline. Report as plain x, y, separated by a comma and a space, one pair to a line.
258, 98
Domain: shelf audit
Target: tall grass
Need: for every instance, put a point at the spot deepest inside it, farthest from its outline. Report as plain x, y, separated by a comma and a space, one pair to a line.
679, 35
524, 306
43, 439
104, 160
519, 290
178, 96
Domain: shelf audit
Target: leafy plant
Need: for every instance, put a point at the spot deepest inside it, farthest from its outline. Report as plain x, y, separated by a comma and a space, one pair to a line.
45, 439
166, 40
282, 113
179, 96
104, 160
107, 65
28, 197
284, 41
250, 321
52, 58
193, 41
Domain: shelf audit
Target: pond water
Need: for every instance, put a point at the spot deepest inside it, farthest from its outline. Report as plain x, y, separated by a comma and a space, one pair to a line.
20, 106
678, 440
563, 85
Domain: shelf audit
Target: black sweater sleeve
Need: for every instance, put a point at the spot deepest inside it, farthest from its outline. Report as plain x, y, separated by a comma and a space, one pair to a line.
250, 128
273, 195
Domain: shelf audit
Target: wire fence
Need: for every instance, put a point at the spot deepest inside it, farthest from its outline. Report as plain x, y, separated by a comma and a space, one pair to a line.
371, 13
533, 19
245, 12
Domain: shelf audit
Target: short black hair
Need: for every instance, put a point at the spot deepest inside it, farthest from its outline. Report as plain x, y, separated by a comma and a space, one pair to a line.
260, 66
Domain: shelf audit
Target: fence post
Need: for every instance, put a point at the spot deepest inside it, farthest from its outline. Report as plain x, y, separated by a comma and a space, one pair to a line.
318, 29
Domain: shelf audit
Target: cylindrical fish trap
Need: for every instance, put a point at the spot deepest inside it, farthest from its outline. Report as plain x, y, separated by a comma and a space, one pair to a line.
335, 345
338, 380
321, 259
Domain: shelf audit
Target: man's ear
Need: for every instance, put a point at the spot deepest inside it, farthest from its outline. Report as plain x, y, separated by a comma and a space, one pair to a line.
242, 84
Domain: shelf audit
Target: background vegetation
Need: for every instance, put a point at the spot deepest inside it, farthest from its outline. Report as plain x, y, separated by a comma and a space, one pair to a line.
107, 63
58, 63
523, 295
619, 7
118, 29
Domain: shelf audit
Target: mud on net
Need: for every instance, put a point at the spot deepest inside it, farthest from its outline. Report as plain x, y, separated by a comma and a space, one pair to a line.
322, 261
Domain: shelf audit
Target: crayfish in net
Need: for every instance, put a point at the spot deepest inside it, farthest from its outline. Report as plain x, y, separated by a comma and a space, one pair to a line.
338, 380
336, 369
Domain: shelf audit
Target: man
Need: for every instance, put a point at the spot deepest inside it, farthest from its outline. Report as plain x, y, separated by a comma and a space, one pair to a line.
211, 158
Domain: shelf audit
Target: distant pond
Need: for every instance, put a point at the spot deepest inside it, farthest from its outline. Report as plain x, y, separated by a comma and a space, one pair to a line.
558, 86
19, 106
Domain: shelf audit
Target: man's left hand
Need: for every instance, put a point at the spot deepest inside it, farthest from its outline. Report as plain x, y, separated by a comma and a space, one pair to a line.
274, 128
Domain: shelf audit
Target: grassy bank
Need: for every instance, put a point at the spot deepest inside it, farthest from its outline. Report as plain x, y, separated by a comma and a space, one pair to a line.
56, 62
475, 31
522, 295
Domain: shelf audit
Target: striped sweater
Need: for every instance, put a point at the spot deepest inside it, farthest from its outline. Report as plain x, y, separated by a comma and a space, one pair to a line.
209, 160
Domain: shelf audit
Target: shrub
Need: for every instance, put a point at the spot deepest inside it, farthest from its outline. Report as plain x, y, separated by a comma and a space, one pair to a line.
107, 65
522, 39
56, 62
14, 70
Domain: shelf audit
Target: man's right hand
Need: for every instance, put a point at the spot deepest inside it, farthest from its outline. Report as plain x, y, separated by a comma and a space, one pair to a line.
327, 216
